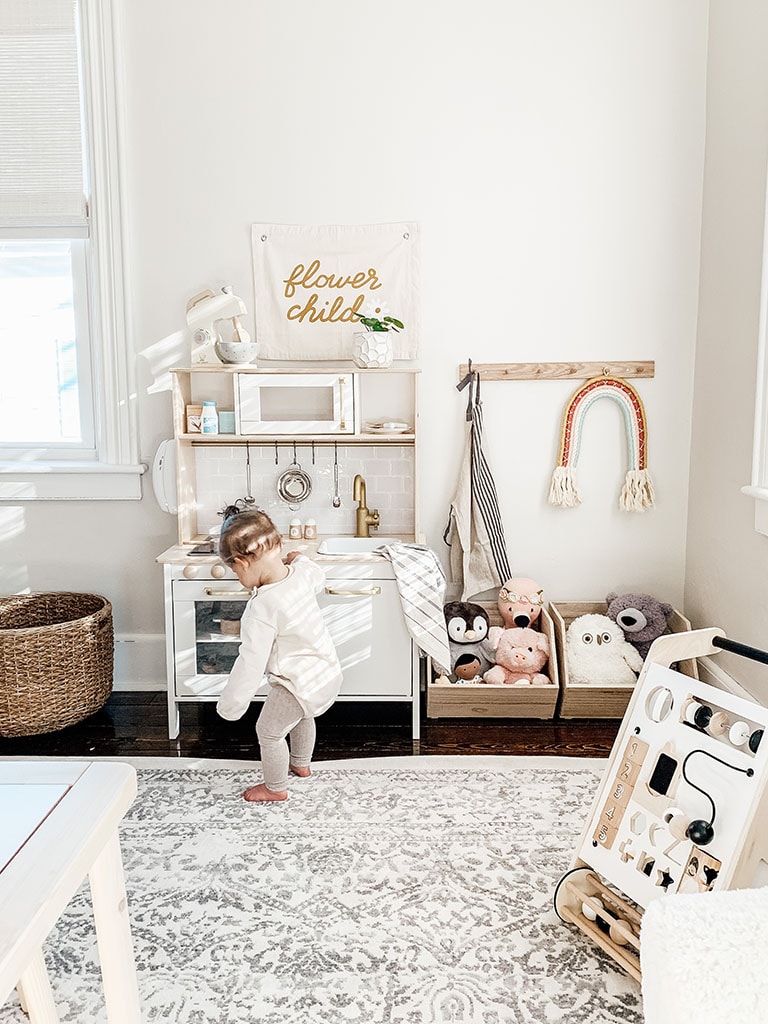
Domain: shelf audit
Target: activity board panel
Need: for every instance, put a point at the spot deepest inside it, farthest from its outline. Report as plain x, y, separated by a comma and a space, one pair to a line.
678, 809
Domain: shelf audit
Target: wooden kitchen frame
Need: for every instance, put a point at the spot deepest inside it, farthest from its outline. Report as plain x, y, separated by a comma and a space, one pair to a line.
377, 392
361, 603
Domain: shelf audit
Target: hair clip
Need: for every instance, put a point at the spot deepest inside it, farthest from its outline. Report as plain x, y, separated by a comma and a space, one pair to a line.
229, 512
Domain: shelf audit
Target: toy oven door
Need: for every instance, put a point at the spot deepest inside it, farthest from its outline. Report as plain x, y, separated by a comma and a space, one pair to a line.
206, 628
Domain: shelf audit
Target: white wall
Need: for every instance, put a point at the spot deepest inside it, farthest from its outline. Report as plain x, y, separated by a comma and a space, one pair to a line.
553, 155
727, 562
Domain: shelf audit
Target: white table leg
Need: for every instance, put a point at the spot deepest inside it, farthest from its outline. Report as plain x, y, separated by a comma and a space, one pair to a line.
113, 932
35, 993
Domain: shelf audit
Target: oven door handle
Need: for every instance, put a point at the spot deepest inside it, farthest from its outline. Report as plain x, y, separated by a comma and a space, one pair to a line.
371, 592
234, 594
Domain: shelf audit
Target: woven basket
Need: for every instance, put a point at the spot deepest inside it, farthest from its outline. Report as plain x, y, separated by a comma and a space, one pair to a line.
56, 660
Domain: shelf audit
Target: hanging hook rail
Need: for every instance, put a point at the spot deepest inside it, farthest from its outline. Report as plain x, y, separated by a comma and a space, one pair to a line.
554, 371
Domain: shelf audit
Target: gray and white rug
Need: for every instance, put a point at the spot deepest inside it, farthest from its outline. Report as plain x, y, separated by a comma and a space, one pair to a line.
393, 891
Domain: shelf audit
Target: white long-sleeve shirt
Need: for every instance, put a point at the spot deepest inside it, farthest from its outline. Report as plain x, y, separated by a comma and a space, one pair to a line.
283, 635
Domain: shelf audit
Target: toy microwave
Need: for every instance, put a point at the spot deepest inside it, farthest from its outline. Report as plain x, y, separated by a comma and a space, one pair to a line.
294, 403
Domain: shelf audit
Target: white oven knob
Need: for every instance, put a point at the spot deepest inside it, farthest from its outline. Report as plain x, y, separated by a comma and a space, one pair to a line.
190, 571
219, 571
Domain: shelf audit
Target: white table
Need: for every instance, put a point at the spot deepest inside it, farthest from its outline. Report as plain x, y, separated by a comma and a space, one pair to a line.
58, 823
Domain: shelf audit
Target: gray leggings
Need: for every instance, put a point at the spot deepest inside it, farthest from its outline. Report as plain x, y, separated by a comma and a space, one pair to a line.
282, 716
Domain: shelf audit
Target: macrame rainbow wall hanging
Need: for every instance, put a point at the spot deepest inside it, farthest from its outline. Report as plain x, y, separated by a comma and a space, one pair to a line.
637, 493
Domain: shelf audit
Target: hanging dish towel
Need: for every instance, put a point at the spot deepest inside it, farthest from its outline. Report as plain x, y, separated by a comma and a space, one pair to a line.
475, 532
421, 585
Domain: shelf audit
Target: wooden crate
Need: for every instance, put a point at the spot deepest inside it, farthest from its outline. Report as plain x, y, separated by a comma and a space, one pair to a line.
585, 700
483, 700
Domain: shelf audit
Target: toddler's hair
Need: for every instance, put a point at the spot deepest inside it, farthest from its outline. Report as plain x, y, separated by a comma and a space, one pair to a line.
247, 534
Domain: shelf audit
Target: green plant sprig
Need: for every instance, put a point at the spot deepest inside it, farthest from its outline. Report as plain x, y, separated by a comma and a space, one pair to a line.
388, 323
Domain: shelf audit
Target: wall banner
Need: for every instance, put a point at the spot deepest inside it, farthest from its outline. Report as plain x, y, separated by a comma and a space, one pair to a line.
310, 280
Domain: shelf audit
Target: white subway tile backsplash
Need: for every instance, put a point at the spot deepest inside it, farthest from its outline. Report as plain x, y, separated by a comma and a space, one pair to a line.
388, 473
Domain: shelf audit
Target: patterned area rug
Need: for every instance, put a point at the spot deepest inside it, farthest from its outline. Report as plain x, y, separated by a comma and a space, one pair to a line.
374, 894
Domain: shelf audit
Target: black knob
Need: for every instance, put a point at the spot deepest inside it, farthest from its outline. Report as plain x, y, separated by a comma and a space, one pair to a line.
702, 717
700, 832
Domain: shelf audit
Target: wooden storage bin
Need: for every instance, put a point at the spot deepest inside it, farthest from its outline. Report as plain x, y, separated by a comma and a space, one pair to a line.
583, 700
483, 700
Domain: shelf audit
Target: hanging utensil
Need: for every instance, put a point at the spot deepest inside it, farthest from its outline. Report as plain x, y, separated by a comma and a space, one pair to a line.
336, 499
249, 498
294, 485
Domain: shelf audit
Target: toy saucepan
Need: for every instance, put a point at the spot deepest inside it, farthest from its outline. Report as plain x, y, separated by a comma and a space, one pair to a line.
294, 485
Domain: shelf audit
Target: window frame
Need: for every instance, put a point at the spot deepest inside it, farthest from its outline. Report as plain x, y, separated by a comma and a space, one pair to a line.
758, 487
115, 472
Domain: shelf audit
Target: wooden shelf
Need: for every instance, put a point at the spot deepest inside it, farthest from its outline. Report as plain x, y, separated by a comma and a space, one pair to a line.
299, 440
228, 368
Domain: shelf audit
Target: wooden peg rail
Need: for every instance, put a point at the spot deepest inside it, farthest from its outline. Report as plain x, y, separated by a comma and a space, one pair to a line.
557, 371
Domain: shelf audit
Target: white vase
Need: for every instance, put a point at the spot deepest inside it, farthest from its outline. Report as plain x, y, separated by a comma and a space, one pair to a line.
372, 349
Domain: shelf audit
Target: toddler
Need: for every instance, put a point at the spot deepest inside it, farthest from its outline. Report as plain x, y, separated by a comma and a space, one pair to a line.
283, 636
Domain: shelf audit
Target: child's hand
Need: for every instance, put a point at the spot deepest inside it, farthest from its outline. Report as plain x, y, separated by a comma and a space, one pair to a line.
291, 556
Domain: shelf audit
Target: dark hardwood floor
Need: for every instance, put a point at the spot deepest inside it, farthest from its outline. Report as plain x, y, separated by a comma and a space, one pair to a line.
135, 725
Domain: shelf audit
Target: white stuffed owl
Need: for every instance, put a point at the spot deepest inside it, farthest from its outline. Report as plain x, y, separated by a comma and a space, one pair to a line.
596, 652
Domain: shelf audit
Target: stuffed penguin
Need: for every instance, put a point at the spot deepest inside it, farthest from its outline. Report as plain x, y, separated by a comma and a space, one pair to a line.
468, 626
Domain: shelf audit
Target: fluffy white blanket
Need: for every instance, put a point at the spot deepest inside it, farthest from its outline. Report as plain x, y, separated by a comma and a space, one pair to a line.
703, 958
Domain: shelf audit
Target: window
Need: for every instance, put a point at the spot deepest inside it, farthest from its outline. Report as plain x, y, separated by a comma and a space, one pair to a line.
758, 488
42, 284
67, 414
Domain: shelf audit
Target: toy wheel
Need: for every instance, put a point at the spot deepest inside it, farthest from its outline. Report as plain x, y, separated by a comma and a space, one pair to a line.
563, 897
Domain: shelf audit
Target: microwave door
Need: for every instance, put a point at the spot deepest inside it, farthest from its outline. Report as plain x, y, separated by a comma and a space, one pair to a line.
296, 403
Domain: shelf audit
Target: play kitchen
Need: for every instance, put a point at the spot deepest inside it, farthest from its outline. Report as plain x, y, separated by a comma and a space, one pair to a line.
331, 456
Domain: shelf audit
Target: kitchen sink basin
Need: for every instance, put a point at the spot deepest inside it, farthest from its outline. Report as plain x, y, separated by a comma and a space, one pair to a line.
352, 545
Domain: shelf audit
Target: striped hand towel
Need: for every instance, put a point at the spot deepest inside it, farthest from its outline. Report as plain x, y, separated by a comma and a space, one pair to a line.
475, 532
421, 585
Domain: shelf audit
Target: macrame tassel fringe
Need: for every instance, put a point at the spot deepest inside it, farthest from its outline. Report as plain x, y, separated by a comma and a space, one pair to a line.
563, 490
637, 494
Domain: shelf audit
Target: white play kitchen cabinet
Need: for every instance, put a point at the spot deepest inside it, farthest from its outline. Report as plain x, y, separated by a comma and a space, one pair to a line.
365, 420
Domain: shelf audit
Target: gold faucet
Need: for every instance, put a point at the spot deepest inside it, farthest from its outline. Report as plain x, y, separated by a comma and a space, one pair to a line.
365, 518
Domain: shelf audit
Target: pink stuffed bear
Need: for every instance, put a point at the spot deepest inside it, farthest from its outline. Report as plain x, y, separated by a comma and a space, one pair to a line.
520, 602
520, 656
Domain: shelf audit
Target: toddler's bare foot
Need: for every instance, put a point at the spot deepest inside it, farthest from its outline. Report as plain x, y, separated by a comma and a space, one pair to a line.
260, 794
302, 772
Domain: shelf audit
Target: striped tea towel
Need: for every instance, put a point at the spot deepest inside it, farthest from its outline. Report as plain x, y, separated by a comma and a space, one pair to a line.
475, 532
421, 585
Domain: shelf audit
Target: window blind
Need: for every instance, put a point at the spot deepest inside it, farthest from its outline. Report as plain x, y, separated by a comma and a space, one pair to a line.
42, 182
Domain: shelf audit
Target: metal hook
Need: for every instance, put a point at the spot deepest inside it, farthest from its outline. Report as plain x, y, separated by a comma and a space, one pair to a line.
313, 453
468, 376
294, 451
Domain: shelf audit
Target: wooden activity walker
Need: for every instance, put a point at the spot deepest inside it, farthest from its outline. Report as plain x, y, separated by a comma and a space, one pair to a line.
682, 804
